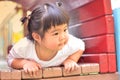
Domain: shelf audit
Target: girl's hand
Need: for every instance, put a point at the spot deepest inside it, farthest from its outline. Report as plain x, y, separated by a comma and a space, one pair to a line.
31, 67
70, 65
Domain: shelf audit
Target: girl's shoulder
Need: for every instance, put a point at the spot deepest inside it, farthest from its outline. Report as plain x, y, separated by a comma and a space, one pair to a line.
22, 48
75, 43
23, 44
74, 40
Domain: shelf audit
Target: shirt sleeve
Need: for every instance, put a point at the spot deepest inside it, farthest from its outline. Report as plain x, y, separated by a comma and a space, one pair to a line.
17, 51
74, 44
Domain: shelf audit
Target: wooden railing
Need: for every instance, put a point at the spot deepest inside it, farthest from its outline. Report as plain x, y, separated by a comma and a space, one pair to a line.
58, 73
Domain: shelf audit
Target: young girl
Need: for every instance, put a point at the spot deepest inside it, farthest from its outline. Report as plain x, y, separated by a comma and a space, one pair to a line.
48, 42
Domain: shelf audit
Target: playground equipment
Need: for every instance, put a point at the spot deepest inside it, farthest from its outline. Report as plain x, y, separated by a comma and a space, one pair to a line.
93, 21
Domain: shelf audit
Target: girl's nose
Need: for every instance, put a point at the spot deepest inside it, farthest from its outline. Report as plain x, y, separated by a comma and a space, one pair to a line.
62, 36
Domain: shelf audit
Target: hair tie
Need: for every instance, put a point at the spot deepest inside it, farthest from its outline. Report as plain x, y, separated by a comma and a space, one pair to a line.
45, 6
59, 4
24, 19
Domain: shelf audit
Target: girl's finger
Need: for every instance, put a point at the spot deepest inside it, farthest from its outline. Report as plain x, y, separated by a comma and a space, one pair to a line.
26, 70
68, 67
30, 71
76, 66
35, 71
39, 66
72, 67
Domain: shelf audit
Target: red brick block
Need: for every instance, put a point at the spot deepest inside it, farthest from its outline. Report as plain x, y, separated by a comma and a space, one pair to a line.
101, 59
99, 26
76, 72
52, 72
95, 9
112, 62
100, 44
27, 76
5, 74
16, 75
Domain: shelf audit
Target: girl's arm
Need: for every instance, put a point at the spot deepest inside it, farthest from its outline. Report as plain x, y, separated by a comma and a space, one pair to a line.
76, 56
18, 63
29, 66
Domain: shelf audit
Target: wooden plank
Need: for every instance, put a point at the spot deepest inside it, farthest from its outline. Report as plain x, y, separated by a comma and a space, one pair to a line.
27, 76
95, 27
5, 74
94, 9
52, 72
16, 75
101, 59
70, 4
109, 76
112, 62
89, 68
100, 44
99, 26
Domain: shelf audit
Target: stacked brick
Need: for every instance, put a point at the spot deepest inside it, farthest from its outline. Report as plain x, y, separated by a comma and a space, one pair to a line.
53, 72
97, 30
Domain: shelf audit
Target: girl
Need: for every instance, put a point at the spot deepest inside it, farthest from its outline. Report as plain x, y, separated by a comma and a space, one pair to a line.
48, 42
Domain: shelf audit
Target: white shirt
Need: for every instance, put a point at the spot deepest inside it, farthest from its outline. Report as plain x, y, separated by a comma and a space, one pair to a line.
26, 49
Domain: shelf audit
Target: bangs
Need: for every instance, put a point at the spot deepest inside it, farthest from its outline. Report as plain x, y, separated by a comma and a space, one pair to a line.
54, 17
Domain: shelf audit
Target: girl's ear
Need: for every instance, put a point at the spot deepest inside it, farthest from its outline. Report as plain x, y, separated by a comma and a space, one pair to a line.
36, 37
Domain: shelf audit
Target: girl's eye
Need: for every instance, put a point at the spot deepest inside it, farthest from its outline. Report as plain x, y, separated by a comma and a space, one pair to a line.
65, 30
55, 33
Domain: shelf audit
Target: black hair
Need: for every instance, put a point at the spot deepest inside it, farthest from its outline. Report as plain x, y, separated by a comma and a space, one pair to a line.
45, 16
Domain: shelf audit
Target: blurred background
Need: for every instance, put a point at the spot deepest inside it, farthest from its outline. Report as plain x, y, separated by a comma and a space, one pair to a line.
11, 29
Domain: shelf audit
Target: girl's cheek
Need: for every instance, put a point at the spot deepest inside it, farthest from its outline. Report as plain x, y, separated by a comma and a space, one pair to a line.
66, 40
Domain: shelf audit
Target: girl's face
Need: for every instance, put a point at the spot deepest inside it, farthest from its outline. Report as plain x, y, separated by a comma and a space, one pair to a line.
55, 38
